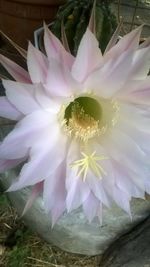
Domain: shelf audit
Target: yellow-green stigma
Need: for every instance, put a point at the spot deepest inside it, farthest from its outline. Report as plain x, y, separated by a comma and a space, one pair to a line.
82, 117
91, 162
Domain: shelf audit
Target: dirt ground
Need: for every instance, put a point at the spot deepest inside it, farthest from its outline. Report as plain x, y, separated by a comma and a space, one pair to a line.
19, 247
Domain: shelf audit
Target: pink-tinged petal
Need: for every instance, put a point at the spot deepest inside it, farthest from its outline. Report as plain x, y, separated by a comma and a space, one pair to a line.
45, 157
57, 211
88, 57
124, 181
130, 42
92, 21
141, 137
137, 92
64, 38
37, 189
59, 80
90, 207
21, 95
7, 110
134, 87
12, 152
37, 64
54, 186
122, 148
7, 164
122, 199
54, 193
45, 101
141, 63
77, 192
97, 188
54, 48
17, 72
114, 38
136, 115
27, 132
108, 80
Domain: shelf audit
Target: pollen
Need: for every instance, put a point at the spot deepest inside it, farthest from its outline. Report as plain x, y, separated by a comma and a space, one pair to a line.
82, 117
86, 117
89, 161
81, 125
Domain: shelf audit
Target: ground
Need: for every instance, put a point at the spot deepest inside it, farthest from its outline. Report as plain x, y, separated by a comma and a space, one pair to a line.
19, 247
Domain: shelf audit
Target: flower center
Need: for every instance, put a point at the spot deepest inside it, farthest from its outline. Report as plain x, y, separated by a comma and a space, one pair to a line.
82, 117
87, 117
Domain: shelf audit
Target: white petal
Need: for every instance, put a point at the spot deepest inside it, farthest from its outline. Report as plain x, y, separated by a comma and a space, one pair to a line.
122, 199
17, 72
110, 78
59, 80
37, 189
125, 182
135, 115
37, 64
27, 132
141, 63
124, 149
21, 95
129, 42
136, 92
141, 137
54, 194
96, 186
55, 49
77, 193
77, 190
90, 207
114, 38
45, 157
45, 101
7, 110
88, 57
54, 188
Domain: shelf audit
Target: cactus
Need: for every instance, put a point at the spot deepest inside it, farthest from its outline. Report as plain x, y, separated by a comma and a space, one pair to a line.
75, 15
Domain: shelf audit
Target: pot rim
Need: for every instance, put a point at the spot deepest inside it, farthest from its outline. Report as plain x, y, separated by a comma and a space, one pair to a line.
41, 2
37, 34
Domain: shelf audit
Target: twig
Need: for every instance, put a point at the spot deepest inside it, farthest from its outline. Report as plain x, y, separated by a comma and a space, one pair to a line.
45, 262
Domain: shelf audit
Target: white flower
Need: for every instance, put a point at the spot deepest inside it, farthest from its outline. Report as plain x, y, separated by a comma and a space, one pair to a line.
83, 124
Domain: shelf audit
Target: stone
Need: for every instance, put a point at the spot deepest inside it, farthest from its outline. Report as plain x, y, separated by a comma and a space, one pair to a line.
131, 249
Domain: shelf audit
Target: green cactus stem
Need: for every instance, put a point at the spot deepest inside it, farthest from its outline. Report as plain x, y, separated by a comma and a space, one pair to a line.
75, 15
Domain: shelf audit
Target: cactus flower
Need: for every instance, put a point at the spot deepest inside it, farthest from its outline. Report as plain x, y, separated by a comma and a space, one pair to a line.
83, 124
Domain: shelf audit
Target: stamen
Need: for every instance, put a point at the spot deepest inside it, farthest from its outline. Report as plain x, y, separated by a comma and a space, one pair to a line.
86, 117
89, 162
82, 125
